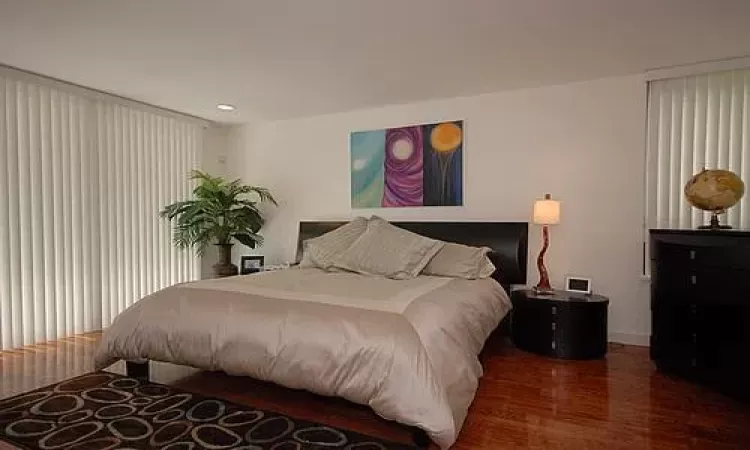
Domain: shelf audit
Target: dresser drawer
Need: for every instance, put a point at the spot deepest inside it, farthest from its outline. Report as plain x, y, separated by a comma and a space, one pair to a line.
724, 254
714, 284
677, 323
680, 359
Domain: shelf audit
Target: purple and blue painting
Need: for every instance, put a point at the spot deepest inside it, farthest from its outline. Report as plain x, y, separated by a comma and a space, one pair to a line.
409, 166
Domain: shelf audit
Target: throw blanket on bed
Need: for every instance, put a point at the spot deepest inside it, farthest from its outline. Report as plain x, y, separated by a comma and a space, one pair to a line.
406, 348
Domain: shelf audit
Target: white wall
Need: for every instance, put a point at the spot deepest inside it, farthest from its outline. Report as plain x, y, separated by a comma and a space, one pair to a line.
583, 143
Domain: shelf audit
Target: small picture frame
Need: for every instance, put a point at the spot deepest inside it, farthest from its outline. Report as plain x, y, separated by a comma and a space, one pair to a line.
580, 285
251, 264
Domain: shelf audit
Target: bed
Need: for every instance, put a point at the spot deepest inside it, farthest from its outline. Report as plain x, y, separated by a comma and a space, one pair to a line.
406, 348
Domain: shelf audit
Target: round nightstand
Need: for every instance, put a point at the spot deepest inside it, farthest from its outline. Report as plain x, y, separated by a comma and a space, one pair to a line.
562, 325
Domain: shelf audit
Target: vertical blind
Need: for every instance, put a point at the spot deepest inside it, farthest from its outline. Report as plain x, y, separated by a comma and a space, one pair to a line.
84, 178
695, 122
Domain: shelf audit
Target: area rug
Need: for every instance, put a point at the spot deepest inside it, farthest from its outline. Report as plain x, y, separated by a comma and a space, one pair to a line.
100, 410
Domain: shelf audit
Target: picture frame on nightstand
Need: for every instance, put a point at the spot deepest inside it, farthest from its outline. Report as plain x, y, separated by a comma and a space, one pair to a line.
251, 264
578, 285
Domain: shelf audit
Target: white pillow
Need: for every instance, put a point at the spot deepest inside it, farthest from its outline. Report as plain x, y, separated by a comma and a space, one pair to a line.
322, 250
461, 261
384, 249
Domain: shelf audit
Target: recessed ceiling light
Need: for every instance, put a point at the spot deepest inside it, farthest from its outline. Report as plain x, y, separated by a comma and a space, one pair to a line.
225, 107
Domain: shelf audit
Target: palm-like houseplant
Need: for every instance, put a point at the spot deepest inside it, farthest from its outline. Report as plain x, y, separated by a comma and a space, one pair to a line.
220, 212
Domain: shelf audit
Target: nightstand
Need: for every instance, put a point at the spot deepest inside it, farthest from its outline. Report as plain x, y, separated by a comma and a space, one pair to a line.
561, 325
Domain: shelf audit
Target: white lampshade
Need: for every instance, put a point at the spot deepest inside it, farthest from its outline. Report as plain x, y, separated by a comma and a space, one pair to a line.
547, 211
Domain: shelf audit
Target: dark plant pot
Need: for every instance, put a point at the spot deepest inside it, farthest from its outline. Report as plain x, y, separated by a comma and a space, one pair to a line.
225, 268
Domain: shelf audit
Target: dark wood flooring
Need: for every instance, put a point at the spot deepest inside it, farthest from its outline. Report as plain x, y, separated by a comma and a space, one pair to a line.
524, 401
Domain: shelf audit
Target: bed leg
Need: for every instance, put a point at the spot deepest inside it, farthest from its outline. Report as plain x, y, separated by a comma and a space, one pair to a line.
420, 438
137, 370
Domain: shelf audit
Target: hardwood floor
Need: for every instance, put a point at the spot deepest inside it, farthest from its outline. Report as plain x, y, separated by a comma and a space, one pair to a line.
524, 401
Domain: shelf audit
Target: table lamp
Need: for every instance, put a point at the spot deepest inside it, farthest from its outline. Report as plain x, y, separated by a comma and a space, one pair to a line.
546, 212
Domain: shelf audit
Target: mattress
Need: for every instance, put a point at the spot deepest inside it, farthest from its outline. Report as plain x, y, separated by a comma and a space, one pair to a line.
406, 348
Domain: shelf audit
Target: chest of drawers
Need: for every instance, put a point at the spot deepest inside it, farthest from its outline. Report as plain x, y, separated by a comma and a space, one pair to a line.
700, 306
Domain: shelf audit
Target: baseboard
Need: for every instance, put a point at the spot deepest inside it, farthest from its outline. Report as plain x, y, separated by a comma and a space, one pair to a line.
630, 339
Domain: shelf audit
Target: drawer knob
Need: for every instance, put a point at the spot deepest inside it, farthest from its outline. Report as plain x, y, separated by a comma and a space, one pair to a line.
693, 280
554, 345
554, 326
554, 310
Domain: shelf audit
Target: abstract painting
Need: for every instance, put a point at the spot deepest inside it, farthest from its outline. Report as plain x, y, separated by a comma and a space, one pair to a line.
418, 165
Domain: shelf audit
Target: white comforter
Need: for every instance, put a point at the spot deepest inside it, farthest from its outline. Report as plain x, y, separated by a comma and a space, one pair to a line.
406, 348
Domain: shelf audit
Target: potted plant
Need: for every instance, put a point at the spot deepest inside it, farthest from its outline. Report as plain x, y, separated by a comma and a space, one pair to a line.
221, 212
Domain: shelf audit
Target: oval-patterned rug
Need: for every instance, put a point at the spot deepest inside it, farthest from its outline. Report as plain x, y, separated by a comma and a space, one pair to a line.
101, 410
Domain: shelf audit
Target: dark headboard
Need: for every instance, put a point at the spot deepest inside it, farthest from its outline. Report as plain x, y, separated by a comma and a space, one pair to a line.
508, 241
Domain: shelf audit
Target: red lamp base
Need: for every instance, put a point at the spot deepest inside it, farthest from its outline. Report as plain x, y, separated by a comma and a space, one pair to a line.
543, 287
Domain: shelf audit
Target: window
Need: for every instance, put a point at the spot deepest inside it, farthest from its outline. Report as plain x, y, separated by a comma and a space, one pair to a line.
695, 122
83, 177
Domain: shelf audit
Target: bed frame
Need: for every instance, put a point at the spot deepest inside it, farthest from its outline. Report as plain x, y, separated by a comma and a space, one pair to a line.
508, 241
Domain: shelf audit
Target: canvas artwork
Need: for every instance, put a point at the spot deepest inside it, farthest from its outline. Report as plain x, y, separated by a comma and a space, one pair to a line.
418, 165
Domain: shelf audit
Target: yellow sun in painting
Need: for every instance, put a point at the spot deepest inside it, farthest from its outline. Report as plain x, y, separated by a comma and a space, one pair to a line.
446, 137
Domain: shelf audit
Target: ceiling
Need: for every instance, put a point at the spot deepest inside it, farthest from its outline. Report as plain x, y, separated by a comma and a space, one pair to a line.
278, 59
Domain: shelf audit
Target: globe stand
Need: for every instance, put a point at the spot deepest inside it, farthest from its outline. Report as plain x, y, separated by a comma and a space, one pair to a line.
714, 225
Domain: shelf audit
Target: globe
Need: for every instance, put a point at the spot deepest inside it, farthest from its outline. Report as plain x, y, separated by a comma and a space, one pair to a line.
714, 191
